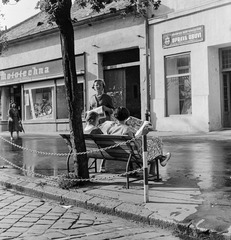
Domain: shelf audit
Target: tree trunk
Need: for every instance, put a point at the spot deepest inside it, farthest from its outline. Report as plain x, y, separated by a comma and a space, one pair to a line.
64, 23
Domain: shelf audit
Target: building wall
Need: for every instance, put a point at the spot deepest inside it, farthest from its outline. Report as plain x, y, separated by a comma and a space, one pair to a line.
34, 50
205, 68
181, 5
119, 34
93, 39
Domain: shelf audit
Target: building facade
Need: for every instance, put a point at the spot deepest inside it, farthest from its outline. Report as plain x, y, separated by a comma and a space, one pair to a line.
176, 65
191, 66
107, 46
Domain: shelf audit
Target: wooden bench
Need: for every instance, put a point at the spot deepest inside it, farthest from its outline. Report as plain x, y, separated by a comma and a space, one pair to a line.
98, 146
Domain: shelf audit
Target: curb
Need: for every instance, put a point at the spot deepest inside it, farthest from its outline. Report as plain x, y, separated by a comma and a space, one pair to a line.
37, 188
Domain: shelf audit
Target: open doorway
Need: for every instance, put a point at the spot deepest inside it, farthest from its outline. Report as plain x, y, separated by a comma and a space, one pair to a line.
122, 78
15, 95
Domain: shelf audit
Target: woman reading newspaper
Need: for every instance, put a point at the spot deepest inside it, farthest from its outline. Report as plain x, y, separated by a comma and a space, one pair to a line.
123, 127
101, 102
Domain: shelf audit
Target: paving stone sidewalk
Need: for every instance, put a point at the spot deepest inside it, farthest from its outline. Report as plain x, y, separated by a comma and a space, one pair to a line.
24, 218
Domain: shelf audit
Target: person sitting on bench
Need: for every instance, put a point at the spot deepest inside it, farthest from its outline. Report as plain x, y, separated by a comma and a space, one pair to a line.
120, 128
92, 121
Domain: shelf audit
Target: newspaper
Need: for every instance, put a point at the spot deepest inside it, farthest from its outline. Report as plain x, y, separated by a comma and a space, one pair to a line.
134, 122
140, 126
137, 123
100, 111
154, 144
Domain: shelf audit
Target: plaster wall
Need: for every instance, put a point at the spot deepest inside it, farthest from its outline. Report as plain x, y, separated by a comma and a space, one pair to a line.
93, 39
113, 36
205, 69
37, 49
178, 5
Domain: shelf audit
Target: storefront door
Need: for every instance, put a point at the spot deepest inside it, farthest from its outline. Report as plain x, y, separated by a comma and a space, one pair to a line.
116, 86
123, 85
16, 91
227, 99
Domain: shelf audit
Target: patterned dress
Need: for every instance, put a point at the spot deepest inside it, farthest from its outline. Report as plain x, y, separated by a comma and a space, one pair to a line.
154, 144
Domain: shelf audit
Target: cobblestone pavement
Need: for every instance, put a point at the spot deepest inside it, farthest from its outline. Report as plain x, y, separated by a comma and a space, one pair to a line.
24, 217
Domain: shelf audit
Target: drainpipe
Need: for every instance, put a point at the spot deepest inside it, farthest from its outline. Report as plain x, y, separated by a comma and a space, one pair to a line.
148, 89
146, 30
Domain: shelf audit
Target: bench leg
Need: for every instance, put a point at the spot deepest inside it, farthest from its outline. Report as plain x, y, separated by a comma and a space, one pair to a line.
102, 165
95, 165
157, 170
154, 169
127, 169
68, 160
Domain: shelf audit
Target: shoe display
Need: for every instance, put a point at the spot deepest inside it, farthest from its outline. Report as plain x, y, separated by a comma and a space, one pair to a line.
165, 159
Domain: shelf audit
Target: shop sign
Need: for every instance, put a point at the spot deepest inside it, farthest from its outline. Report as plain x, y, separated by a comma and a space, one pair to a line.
35, 72
183, 37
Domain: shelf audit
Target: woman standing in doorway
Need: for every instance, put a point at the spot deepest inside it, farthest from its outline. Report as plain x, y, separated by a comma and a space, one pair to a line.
14, 120
101, 99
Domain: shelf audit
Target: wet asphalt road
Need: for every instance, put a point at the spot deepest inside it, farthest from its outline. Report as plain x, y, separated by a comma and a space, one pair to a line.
206, 164
202, 162
50, 165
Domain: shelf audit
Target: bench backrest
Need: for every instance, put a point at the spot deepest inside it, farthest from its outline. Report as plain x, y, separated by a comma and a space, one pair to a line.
106, 143
96, 144
91, 146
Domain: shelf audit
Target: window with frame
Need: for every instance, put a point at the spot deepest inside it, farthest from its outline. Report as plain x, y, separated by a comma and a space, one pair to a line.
0, 106
178, 85
38, 103
61, 99
62, 104
226, 59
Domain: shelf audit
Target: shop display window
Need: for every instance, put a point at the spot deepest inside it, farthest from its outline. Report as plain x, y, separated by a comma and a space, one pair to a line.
226, 59
38, 103
178, 85
62, 107
0, 106
62, 104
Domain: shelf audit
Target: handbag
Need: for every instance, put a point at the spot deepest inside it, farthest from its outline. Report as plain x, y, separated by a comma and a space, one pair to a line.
21, 129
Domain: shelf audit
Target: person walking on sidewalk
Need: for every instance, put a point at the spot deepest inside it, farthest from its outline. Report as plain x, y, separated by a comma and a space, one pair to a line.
13, 120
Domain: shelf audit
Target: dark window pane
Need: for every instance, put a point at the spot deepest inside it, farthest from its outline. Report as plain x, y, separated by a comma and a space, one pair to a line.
113, 58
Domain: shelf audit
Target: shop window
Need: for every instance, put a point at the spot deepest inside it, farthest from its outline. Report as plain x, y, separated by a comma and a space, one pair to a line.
227, 91
0, 106
178, 85
226, 59
119, 57
62, 105
38, 103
